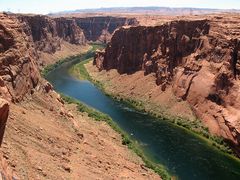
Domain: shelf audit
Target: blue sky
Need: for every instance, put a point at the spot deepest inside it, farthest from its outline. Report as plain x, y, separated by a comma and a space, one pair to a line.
46, 6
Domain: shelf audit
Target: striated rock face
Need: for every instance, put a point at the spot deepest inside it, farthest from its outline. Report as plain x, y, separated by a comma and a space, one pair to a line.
68, 30
195, 59
47, 33
43, 32
23, 39
6, 172
98, 59
18, 70
4, 111
102, 28
136, 48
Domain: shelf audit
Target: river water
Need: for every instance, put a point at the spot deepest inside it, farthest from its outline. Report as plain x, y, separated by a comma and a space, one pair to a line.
185, 155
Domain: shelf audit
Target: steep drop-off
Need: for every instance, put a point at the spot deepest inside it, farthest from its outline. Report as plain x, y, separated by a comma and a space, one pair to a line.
4, 111
102, 28
25, 37
50, 35
47, 33
198, 60
45, 138
18, 71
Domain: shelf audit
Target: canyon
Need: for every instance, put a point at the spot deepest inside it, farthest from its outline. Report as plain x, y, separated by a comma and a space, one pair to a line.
190, 64
42, 137
101, 28
195, 58
24, 38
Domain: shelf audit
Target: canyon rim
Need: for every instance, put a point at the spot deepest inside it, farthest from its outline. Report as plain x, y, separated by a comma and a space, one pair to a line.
181, 65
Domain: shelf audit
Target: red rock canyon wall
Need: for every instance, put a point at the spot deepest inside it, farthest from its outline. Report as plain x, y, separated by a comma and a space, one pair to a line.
195, 58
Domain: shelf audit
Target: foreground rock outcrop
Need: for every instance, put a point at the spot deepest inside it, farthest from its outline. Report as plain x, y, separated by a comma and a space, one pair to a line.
197, 59
18, 70
4, 112
5, 170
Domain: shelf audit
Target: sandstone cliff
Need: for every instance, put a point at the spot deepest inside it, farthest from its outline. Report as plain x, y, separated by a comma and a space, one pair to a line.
198, 60
4, 111
47, 33
43, 136
102, 28
18, 71
24, 38
50, 35
5, 171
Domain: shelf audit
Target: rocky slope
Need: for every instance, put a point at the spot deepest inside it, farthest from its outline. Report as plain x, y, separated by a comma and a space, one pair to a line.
102, 28
48, 139
44, 137
197, 59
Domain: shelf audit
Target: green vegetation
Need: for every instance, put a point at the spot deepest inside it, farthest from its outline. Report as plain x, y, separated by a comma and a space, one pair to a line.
98, 116
51, 67
194, 126
126, 140
79, 71
89, 54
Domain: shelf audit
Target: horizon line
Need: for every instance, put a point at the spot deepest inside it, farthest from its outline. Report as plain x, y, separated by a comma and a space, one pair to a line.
127, 7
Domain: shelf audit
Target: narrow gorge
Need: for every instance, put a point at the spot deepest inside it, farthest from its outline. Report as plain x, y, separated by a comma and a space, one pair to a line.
183, 73
42, 136
196, 59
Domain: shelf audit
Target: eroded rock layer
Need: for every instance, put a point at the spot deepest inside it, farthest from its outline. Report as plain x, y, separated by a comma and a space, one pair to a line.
23, 39
18, 71
4, 111
198, 59
47, 33
31, 146
102, 28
